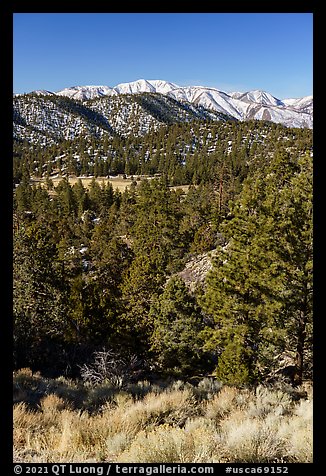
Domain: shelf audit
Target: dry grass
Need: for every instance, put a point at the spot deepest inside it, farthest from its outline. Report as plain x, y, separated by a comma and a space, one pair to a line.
116, 182
64, 421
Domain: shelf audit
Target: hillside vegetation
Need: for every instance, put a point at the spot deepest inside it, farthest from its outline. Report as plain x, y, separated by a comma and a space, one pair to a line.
98, 268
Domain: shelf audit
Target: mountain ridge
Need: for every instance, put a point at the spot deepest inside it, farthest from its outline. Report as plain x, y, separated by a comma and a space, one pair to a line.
256, 104
49, 118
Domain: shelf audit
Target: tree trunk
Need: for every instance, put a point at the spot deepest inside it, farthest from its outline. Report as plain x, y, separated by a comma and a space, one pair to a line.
301, 337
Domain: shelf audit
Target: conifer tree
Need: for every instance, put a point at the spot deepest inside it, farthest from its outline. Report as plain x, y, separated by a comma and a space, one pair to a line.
176, 340
295, 252
259, 291
81, 197
65, 198
23, 196
95, 195
39, 307
156, 245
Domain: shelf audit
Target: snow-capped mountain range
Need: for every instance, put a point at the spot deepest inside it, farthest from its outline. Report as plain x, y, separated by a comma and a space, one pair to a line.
257, 104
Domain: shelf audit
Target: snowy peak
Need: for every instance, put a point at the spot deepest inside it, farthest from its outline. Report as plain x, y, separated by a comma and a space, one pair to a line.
43, 92
260, 97
38, 92
146, 86
236, 94
135, 87
301, 104
162, 87
86, 92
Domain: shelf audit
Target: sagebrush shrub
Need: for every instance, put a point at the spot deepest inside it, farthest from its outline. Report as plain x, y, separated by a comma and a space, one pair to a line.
167, 444
163, 424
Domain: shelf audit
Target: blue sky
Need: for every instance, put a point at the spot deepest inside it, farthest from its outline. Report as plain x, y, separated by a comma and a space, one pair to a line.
229, 51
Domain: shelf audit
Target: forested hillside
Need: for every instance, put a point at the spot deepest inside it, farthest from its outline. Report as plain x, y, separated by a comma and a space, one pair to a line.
96, 268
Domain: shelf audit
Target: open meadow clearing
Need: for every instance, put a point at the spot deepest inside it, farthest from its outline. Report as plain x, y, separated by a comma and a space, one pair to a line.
118, 183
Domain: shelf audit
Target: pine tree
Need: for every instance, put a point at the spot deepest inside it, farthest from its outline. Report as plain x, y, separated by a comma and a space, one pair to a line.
39, 306
95, 196
176, 342
81, 197
259, 291
65, 198
23, 196
155, 245
295, 251
196, 227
